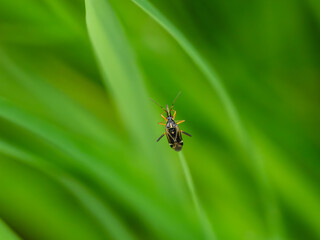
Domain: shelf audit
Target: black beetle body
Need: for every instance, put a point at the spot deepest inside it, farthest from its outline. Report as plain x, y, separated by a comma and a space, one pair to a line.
172, 130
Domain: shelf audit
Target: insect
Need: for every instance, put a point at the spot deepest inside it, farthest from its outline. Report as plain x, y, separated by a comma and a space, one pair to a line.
172, 130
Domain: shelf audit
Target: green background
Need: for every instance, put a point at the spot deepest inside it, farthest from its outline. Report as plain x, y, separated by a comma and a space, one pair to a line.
78, 151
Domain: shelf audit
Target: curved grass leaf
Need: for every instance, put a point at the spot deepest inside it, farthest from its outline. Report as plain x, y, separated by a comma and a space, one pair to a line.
209, 234
201, 63
269, 202
7, 233
122, 76
120, 71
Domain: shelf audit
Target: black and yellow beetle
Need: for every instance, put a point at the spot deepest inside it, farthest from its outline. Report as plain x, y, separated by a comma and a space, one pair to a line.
172, 130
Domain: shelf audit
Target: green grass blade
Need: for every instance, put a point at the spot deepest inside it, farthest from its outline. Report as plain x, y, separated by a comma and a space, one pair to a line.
6, 233
120, 70
209, 234
200, 62
269, 202
122, 77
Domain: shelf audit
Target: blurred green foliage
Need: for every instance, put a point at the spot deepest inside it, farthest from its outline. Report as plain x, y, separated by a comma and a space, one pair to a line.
78, 157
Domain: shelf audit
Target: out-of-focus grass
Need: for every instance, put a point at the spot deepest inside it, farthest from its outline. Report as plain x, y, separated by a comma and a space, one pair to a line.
78, 157
6, 232
203, 218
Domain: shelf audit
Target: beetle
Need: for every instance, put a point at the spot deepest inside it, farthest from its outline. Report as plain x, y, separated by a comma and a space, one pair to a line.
172, 130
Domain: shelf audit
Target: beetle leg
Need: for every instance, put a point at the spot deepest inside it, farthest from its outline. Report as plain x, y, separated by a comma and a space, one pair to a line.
162, 123
186, 133
174, 114
164, 117
160, 137
181, 121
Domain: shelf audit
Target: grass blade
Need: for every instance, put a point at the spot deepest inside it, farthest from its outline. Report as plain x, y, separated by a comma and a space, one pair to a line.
200, 62
119, 69
200, 211
6, 232
256, 161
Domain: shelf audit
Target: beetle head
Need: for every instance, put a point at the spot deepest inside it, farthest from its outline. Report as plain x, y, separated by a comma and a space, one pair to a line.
169, 118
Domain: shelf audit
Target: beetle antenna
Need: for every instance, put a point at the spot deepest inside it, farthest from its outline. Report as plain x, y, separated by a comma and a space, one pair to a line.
175, 100
158, 104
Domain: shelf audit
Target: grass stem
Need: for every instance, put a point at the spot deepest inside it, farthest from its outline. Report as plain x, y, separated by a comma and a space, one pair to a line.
207, 228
